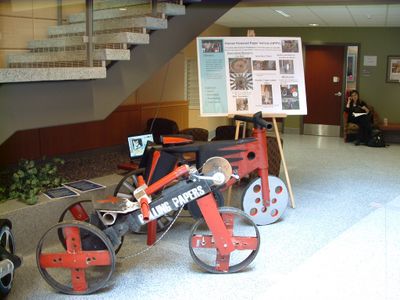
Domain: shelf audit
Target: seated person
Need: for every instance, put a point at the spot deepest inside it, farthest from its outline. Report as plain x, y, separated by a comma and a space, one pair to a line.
354, 106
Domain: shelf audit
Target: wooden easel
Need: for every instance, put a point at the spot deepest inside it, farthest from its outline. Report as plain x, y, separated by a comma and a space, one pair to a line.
251, 33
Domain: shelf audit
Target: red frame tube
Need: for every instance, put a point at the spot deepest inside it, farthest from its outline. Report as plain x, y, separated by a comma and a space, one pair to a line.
175, 174
223, 237
144, 207
78, 212
253, 156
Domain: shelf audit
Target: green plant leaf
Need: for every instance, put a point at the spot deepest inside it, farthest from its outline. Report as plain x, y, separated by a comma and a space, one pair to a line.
30, 179
32, 200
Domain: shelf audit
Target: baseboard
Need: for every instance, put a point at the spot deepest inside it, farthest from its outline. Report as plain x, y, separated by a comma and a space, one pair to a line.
291, 130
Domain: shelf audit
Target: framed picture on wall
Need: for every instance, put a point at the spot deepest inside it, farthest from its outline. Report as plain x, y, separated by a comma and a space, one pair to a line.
393, 68
351, 68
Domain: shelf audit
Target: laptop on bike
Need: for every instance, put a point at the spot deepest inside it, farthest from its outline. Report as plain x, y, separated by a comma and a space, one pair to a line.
137, 146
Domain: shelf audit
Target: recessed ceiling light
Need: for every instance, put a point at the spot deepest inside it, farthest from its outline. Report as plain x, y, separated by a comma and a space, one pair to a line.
313, 24
122, 8
282, 13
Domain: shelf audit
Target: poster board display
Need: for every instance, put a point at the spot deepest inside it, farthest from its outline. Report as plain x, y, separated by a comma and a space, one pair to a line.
84, 185
244, 75
60, 192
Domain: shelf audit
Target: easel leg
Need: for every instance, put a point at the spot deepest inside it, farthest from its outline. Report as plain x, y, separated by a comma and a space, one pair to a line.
278, 138
237, 129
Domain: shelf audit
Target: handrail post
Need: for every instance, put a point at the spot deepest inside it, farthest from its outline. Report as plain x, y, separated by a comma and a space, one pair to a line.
89, 32
154, 8
59, 12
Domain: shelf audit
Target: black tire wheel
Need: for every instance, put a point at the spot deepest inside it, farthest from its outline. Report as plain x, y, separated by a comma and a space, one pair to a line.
84, 267
244, 236
127, 185
8, 243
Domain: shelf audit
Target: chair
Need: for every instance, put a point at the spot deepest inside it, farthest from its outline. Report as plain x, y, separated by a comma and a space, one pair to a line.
161, 126
274, 156
350, 130
198, 134
227, 132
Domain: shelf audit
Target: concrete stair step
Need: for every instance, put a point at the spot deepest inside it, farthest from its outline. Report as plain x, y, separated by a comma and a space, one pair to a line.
67, 56
107, 4
51, 74
128, 38
163, 8
133, 24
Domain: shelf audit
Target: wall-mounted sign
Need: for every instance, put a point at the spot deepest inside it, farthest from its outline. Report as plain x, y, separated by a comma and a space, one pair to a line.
370, 61
243, 75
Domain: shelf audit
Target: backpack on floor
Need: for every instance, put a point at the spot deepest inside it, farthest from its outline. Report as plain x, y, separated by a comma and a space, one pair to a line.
377, 140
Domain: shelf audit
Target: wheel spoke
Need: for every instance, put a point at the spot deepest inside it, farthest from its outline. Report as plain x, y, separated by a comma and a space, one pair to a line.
78, 278
222, 262
203, 241
72, 239
134, 180
83, 259
160, 223
169, 218
129, 186
124, 195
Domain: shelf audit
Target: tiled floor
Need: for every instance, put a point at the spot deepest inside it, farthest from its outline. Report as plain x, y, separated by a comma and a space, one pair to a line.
340, 242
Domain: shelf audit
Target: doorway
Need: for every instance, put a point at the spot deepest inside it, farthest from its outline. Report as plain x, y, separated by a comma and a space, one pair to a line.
325, 85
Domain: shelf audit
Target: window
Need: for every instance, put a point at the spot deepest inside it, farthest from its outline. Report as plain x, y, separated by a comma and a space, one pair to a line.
192, 83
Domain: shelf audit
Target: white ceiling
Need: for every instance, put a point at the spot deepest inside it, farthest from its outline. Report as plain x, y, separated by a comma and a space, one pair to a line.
381, 15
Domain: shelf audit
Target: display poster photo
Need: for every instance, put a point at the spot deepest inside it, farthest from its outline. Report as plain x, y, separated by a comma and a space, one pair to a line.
244, 75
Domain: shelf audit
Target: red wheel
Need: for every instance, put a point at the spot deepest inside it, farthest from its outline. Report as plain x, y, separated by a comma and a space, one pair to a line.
245, 238
253, 205
83, 266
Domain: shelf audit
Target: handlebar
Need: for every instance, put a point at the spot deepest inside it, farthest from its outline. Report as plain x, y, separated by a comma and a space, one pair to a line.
256, 119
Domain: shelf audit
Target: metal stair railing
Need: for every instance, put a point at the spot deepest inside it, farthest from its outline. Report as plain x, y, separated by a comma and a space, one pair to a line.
107, 24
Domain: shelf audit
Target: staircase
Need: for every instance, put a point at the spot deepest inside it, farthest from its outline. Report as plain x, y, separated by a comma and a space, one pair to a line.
117, 26
49, 85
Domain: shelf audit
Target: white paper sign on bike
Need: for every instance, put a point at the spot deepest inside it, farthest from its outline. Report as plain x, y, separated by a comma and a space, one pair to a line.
243, 75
